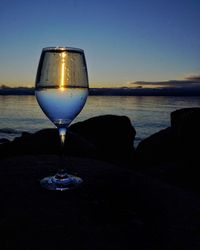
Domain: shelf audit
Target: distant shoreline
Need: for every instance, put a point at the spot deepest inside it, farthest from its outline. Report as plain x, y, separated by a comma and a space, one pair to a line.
116, 91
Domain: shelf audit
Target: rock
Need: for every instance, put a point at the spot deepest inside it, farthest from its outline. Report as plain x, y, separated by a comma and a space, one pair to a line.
3, 140
186, 125
176, 143
180, 115
157, 148
112, 135
173, 153
115, 209
47, 141
105, 137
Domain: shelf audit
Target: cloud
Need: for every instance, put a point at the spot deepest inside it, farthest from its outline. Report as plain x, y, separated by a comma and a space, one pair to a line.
190, 81
195, 78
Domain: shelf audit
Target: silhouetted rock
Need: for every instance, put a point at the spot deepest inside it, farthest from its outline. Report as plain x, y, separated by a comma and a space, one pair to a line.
106, 137
112, 135
157, 148
47, 141
180, 115
3, 140
186, 126
115, 208
173, 153
176, 143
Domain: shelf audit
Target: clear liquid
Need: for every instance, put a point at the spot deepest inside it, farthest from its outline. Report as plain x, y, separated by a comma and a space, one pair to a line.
61, 105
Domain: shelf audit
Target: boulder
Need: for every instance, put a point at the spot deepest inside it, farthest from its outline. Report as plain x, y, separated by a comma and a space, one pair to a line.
47, 141
173, 153
3, 140
157, 148
105, 137
112, 135
186, 125
177, 143
181, 115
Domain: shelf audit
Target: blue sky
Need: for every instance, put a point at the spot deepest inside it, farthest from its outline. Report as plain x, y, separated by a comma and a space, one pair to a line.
124, 41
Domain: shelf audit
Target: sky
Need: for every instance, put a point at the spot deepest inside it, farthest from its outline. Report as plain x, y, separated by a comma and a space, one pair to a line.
124, 41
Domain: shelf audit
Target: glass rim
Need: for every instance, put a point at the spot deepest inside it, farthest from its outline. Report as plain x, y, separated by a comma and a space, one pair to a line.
62, 48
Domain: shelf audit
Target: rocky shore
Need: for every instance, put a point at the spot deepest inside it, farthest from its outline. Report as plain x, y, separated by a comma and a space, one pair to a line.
132, 198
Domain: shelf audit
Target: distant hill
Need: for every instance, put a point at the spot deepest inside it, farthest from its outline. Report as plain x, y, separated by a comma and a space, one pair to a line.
145, 91
195, 91
4, 90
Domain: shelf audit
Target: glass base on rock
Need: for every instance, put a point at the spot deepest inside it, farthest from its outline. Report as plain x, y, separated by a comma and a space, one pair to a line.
61, 184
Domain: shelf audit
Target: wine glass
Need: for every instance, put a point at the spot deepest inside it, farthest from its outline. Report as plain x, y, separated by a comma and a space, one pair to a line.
61, 90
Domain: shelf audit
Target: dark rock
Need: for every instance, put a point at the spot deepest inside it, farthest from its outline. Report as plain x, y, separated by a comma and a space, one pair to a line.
115, 209
176, 143
112, 135
157, 148
47, 141
104, 137
186, 126
180, 115
173, 153
3, 140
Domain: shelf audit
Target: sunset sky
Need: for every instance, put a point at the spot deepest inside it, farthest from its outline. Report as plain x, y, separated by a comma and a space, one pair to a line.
124, 41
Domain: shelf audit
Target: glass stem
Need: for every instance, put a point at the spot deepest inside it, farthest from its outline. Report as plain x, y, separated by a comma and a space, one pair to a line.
61, 174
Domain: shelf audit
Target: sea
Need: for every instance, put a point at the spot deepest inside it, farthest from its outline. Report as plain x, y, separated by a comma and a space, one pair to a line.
148, 114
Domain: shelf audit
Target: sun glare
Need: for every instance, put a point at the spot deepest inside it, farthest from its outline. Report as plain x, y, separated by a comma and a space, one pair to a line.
62, 78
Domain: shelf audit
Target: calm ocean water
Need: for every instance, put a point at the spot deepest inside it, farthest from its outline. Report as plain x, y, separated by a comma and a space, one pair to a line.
148, 114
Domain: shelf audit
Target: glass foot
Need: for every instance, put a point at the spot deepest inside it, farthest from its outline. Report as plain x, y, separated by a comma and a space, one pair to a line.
61, 184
